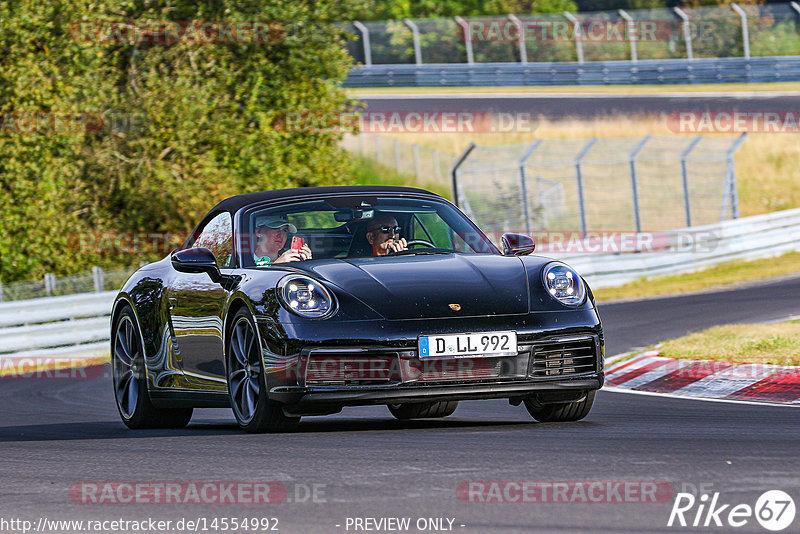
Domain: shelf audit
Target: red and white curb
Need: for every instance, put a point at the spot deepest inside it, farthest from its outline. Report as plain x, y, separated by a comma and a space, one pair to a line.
649, 372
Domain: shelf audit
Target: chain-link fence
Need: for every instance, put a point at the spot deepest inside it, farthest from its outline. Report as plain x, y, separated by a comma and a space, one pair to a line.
635, 184
713, 32
52, 286
425, 164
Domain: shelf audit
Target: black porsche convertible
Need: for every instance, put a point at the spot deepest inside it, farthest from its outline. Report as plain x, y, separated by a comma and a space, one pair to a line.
303, 301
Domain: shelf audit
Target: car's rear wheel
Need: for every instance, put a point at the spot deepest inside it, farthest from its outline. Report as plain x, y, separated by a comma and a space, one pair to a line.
561, 412
247, 384
423, 410
130, 380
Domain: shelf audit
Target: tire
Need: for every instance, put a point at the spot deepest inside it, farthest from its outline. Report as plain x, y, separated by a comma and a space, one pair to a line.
562, 412
247, 384
423, 410
130, 380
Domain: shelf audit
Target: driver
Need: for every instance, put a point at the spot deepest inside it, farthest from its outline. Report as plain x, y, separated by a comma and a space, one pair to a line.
271, 234
383, 234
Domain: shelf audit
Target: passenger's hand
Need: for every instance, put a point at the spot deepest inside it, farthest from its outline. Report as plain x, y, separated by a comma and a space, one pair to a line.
304, 253
396, 245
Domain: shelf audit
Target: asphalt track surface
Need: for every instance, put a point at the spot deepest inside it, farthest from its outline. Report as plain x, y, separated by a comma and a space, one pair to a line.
55, 433
564, 105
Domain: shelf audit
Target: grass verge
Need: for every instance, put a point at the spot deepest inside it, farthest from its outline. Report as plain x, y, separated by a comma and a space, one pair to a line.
749, 343
717, 276
585, 89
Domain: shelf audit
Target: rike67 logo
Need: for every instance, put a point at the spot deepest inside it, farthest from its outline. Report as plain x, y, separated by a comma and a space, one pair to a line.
774, 510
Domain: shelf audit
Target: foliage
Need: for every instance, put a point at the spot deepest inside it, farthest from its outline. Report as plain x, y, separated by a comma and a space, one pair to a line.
184, 124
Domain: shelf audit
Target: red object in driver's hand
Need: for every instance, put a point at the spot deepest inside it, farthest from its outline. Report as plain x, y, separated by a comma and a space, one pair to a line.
297, 243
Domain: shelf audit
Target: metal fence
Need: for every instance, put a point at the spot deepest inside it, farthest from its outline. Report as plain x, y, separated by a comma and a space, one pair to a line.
651, 182
688, 33
427, 165
98, 280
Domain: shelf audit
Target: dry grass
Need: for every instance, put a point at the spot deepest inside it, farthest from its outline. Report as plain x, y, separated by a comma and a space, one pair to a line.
767, 165
749, 343
717, 276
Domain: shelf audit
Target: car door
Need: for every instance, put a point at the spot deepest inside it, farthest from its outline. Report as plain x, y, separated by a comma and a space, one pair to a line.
196, 305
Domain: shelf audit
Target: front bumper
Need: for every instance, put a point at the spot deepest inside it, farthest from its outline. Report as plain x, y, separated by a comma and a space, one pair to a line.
303, 397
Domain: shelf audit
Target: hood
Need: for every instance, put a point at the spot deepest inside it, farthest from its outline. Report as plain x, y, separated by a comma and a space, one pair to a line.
424, 286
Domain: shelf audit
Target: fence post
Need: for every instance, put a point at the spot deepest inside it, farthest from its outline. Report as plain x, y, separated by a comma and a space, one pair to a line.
1, 291
417, 169
523, 51
437, 169
687, 31
576, 29
745, 31
365, 40
415, 35
454, 170
467, 39
49, 284
579, 177
523, 186
733, 188
397, 162
634, 186
378, 148
795, 6
631, 33
97, 275
685, 175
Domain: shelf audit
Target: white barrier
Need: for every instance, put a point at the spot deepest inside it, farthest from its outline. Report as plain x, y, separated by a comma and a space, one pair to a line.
693, 249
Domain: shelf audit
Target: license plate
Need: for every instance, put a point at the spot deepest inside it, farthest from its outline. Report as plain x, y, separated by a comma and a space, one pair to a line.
480, 344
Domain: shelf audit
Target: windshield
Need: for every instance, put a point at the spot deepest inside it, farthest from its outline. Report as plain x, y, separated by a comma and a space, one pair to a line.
357, 226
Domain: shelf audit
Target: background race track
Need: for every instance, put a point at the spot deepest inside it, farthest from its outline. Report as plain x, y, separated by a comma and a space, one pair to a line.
562, 105
55, 433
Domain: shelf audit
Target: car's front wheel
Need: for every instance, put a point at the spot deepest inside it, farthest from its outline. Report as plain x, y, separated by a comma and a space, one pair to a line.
423, 410
247, 384
130, 380
561, 412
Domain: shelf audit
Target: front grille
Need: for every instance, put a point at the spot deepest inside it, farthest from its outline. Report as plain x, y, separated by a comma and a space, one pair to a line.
460, 369
346, 370
563, 357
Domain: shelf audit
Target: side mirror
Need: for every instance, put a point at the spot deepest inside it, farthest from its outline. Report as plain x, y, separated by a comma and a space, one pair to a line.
517, 244
197, 260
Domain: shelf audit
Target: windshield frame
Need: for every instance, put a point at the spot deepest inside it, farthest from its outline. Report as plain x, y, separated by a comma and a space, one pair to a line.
242, 218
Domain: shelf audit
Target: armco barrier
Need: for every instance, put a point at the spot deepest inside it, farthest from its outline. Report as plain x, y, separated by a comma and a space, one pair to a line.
695, 248
78, 325
661, 71
68, 327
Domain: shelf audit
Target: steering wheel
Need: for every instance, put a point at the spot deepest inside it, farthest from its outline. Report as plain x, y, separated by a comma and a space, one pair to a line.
420, 242
411, 244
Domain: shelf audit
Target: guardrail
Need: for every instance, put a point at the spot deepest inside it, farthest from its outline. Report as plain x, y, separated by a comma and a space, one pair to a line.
693, 249
656, 71
56, 327
78, 325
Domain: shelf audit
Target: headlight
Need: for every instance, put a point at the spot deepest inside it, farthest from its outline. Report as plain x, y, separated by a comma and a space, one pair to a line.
564, 284
306, 297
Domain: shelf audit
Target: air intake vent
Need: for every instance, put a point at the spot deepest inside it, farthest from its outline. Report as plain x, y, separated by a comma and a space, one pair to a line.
563, 357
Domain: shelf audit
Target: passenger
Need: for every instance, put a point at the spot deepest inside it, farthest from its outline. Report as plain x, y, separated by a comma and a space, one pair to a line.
271, 233
383, 234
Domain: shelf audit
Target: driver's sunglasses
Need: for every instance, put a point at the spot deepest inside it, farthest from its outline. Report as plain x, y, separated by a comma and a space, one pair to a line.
390, 229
